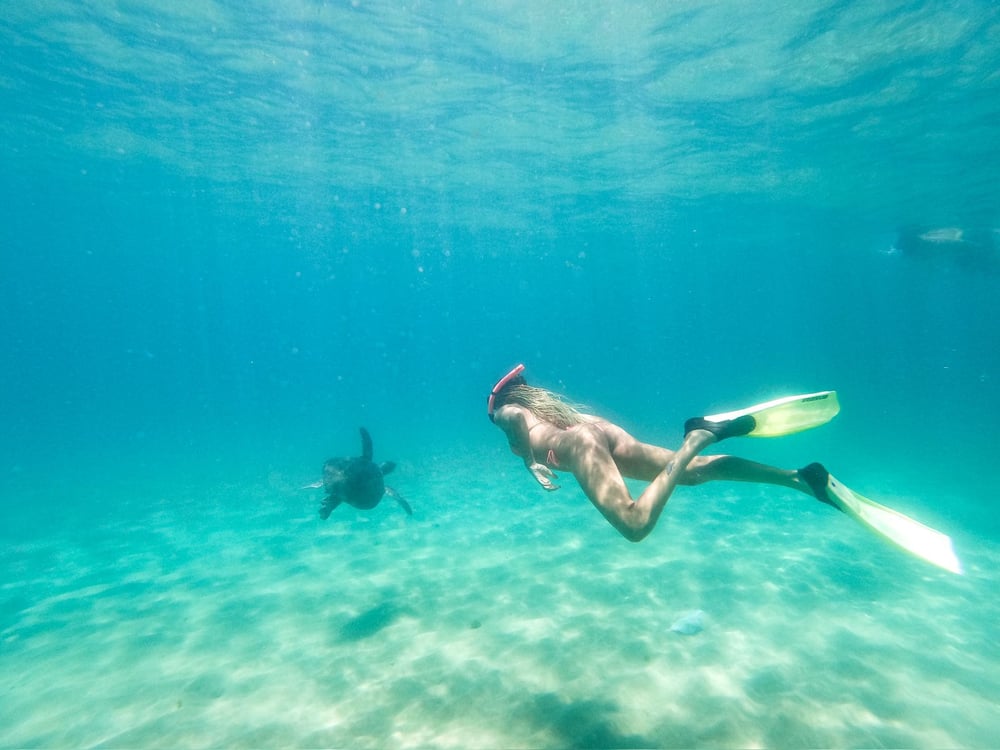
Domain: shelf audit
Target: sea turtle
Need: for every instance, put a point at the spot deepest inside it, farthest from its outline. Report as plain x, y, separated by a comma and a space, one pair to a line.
357, 481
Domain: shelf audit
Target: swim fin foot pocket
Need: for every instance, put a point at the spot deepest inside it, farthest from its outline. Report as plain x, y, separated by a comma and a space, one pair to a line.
726, 428
817, 477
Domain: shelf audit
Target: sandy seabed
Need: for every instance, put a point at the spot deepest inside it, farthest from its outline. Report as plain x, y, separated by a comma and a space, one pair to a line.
497, 616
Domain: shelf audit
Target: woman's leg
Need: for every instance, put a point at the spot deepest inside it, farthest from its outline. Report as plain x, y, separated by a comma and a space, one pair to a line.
732, 469
644, 461
596, 470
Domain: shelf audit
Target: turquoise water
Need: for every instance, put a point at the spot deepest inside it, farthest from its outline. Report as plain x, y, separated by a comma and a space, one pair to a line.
235, 232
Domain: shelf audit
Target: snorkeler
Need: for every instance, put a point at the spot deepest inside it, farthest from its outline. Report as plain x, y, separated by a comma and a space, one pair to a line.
551, 435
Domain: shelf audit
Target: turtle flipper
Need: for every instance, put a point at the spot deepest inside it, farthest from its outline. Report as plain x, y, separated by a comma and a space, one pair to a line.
329, 505
399, 499
366, 445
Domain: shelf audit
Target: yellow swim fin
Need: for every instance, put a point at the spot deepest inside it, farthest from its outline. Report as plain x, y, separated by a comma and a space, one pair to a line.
782, 416
912, 536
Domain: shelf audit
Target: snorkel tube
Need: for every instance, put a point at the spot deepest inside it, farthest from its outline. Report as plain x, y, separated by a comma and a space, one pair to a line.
501, 384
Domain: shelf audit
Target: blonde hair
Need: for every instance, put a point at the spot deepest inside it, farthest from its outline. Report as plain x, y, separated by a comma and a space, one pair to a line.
545, 405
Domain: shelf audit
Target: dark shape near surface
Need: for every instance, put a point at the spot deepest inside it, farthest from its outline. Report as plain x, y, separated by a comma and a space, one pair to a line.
970, 248
358, 481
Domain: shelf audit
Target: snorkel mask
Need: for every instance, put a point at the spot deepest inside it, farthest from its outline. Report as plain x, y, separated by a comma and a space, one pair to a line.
510, 377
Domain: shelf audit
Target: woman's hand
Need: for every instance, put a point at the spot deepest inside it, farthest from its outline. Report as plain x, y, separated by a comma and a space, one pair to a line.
543, 475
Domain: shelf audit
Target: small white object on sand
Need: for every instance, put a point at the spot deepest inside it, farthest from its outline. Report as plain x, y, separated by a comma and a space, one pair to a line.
690, 623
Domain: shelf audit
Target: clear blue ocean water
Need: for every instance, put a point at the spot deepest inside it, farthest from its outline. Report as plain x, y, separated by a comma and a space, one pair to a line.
235, 232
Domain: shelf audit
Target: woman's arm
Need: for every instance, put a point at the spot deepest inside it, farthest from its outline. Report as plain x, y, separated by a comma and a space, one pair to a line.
515, 426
